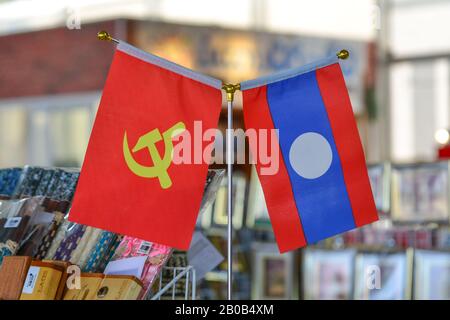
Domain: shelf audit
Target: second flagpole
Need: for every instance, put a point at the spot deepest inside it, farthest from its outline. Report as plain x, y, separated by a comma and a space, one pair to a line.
230, 89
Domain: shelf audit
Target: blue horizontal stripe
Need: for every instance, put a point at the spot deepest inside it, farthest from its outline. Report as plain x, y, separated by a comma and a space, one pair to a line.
323, 204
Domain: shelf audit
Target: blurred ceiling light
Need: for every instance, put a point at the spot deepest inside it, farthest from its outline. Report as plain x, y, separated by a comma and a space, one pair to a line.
442, 136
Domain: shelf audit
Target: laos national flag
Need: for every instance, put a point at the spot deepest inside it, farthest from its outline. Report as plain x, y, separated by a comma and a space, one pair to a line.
321, 187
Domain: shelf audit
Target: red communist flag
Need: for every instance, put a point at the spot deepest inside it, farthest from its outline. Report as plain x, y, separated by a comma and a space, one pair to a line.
129, 183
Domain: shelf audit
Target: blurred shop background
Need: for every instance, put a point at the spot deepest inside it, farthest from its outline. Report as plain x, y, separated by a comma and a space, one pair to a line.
52, 70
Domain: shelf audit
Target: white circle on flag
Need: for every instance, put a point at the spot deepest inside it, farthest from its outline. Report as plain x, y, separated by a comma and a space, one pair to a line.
310, 155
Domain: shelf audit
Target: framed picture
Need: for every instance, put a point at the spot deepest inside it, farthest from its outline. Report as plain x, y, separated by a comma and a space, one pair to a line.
379, 175
328, 275
204, 217
420, 192
273, 273
431, 275
442, 237
257, 214
383, 275
219, 218
213, 182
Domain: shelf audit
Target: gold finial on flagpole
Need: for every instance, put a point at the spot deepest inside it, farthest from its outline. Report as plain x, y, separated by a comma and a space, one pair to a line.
230, 89
343, 54
104, 35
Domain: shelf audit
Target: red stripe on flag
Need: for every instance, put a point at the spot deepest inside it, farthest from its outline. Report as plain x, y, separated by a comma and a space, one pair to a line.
277, 189
337, 103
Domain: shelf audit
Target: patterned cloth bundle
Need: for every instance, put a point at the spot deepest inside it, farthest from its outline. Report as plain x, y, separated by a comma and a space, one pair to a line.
157, 256
55, 183
9, 180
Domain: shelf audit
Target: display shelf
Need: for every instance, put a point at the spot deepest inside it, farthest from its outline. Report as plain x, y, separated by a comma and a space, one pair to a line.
180, 275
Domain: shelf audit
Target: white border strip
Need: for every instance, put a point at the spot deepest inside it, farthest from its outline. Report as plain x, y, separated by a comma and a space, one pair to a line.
166, 64
286, 74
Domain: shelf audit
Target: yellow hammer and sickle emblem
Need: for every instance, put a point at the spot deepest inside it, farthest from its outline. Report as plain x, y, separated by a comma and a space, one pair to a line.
160, 165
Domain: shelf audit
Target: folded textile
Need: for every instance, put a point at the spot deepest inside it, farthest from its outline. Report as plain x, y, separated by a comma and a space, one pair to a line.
81, 244
38, 226
49, 236
66, 185
31, 181
74, 233
53, 183
99, 252
157, 256
7, 249
9, 180
60, 235
89, 247
109, 255
46, 177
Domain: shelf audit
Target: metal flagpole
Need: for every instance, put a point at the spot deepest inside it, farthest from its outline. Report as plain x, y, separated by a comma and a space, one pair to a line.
230, 89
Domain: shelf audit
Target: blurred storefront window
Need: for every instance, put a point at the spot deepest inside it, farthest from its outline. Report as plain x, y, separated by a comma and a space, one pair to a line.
45, 136
13, 136
419, 107
419, 58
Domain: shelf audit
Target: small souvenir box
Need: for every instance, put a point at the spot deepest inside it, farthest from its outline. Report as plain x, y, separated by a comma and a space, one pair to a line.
116, 287
12, 276
97, 286
62, 284
89, 285
42, 281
